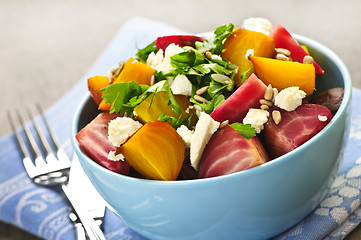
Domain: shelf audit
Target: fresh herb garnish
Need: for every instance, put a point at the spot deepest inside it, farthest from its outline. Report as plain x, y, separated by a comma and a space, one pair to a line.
142, 54
164, 86
175, 122
244, 75
246, 130
119, 94
215, 44
118, 70
185, 62
210, 105
124, 97
199, 70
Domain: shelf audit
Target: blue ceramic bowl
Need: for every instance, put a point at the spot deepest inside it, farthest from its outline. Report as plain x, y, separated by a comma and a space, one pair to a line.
253, 204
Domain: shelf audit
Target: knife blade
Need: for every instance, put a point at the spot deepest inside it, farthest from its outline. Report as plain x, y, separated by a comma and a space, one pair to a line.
84, 193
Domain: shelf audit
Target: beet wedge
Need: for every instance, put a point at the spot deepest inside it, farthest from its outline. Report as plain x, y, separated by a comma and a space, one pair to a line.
180, 40
247, 96
283, 39
93, 141
228, 152
295, 128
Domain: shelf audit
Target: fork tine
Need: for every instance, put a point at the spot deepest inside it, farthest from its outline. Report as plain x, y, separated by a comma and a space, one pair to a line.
39, 161
53, 139
27, 162
60, 152
44, 142
24, 151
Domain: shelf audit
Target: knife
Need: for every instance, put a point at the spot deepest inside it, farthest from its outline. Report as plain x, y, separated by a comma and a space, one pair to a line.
86, 194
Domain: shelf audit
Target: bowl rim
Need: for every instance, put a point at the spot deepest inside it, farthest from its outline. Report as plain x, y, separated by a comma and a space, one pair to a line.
274, 163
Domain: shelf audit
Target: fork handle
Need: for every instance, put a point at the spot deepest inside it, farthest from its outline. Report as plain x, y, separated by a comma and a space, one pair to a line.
92, 229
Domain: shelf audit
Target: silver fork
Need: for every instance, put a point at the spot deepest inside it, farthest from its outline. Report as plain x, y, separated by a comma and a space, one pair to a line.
53, 170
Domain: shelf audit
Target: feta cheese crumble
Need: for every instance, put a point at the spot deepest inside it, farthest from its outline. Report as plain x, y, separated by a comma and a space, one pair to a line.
154, 59
181, 85
199, 110
203, 132
160, 63
322, 118
257, 118
289, 98
250, 52
115, 158
120, 129
186, 135
261, 25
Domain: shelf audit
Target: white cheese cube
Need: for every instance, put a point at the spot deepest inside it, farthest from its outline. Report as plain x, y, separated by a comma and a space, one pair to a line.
161, 61
120, 129
257, 118
186, 135
155, 59
115, 158
289, 98
203, 132
181, 86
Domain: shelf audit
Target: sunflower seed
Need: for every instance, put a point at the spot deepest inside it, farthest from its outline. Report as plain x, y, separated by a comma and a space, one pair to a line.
200, 99
221, 78
202, 90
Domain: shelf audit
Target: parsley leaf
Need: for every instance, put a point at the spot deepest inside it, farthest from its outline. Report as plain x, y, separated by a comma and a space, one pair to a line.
210, 105
124, 97
244, 75
119, 94
244, 129
216, 87
185, 61
221, 33
215, 44
164, 86
142, 54
175, 122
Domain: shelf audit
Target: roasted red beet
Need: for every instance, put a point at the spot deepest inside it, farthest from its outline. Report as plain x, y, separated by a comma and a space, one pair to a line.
247, 96
228, 152
93, 141
330, 98
180, 40
283, 39
295, 128
187, 172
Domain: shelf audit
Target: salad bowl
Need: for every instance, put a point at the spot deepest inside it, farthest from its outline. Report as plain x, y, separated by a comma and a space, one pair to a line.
257, 203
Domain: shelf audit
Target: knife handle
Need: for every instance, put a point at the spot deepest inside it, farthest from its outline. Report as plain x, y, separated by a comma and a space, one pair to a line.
91, 228
79, 232
78, 227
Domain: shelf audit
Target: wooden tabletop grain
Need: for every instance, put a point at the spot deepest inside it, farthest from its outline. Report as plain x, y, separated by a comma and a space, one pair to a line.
46, 46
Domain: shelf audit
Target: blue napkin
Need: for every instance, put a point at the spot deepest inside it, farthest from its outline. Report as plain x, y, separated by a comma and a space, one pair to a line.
44, 212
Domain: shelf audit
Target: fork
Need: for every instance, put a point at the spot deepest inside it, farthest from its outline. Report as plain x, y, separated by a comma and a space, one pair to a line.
53, 170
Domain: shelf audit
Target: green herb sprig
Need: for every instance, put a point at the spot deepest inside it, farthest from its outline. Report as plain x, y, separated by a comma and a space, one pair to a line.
142, 54
124, 97
198, 68
246, 130
175, 122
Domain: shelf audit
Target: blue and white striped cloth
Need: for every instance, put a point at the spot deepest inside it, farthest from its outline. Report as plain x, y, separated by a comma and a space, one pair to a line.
44, 212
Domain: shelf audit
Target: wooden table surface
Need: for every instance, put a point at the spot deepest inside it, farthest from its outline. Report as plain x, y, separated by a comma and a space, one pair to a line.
46, 46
